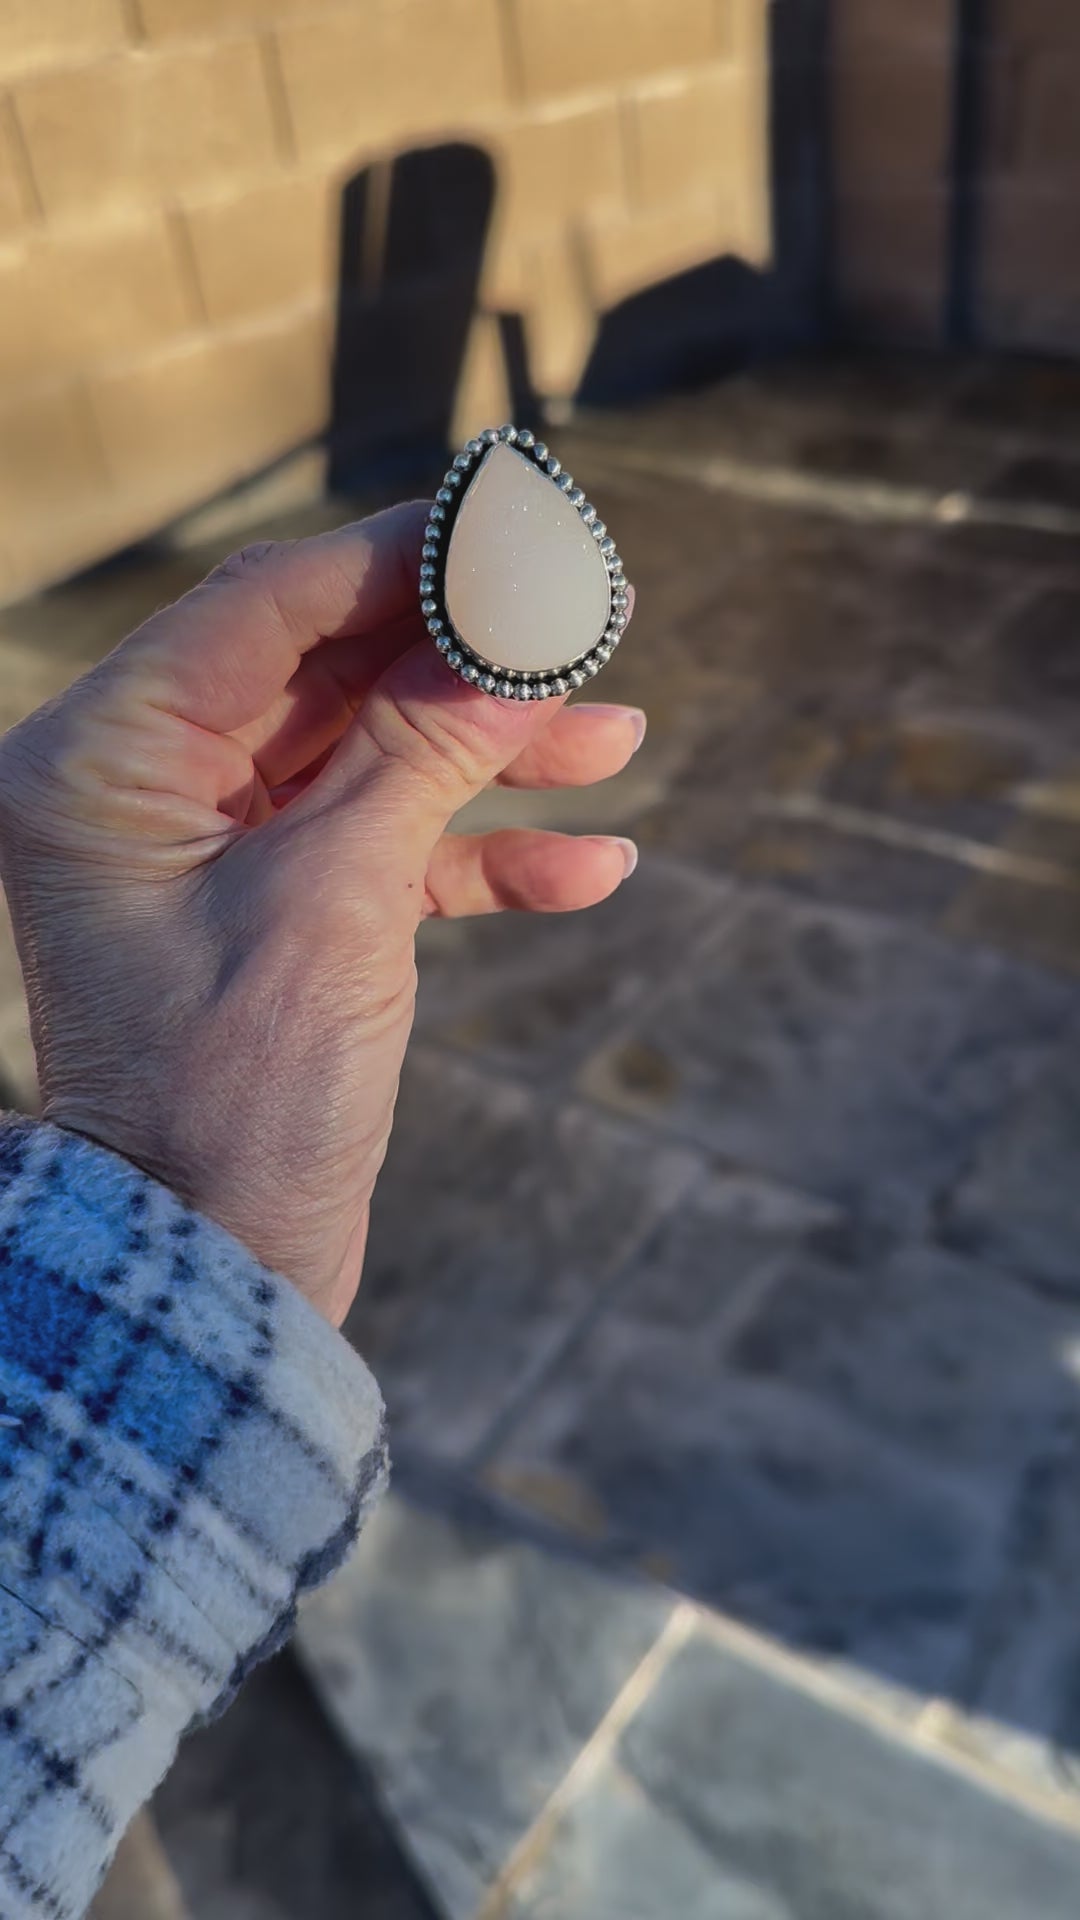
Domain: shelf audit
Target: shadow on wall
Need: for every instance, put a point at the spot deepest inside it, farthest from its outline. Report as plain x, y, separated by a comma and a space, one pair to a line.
414, 232
413, 237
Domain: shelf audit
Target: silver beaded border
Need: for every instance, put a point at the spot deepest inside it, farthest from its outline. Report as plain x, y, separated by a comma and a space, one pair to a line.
505, 684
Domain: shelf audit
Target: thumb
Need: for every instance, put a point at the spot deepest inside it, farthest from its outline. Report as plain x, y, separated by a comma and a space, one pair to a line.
429, 741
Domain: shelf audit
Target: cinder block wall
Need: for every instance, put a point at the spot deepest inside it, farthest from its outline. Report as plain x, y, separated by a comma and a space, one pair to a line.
171, 174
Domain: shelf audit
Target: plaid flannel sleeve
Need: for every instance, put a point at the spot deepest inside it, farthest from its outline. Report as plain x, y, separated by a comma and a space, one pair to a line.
184, 1447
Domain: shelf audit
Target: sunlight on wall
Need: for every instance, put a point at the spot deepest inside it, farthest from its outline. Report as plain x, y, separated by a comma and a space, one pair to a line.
170, 201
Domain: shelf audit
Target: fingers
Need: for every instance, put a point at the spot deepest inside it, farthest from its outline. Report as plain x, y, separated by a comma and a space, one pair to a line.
332, 679
524, 869
226, 653
581, 745
311, 714
578, 746
430, 740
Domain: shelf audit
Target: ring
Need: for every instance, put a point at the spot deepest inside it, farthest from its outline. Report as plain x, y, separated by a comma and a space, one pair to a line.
515, 560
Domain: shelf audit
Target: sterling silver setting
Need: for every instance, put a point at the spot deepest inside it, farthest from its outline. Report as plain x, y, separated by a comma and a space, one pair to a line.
513, 684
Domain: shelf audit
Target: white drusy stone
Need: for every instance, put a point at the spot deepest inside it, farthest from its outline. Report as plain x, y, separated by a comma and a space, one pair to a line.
526, 584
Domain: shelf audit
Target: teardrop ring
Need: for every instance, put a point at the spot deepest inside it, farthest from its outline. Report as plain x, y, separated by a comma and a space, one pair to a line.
521, 586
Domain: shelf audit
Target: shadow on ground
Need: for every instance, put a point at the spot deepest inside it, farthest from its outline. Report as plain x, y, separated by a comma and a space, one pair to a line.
747, 1264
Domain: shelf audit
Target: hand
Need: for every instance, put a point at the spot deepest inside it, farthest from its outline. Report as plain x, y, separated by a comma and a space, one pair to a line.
217, 847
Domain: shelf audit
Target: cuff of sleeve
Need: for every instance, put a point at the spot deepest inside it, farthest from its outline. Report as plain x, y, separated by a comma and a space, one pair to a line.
186, 1444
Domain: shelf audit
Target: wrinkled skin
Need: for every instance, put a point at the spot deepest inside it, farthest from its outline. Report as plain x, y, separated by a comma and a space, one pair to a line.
217, 848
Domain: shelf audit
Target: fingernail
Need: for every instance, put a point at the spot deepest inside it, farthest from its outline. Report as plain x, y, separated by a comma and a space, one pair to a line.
626, 848
630, 856
633, 714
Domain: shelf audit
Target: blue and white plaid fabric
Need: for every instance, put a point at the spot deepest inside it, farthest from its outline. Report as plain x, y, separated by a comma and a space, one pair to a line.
184, 1447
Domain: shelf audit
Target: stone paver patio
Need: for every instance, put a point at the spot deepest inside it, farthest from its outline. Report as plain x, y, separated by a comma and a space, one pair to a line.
733, 1565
